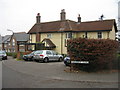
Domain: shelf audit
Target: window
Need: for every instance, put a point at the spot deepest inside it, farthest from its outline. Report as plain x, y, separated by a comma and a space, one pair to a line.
69, 35
99, 35
13, 42
48, 52
86, 35
38, 52
49, 35
65, 42
9, 43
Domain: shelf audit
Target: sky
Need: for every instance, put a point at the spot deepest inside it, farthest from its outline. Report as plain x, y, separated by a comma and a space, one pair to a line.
20, 15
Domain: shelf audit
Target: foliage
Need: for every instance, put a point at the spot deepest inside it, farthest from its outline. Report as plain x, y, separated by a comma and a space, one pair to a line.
14, 55
99, 52
9, 54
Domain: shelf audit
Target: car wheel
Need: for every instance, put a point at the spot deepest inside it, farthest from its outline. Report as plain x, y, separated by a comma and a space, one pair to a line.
46, 60
60, 59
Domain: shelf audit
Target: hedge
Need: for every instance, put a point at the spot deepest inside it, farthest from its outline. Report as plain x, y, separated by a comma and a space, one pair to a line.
99, 52
14, 55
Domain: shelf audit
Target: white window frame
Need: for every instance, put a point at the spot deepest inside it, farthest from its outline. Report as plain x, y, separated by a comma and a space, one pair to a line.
13, 42
49, 35
68, 35
99, 34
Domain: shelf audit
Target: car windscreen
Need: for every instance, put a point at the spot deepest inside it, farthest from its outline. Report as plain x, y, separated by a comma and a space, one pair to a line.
2, 52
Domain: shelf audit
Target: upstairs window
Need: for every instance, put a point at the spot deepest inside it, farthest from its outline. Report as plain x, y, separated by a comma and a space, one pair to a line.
49, 35
69, 35
86, 35
99, 35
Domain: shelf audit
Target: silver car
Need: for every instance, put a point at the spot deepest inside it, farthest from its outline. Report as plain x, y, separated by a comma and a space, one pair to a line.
47, 55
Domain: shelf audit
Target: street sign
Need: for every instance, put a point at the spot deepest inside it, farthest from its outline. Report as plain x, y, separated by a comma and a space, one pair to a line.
83, 62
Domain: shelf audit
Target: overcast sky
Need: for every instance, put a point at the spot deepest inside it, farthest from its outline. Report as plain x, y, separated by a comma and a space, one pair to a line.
20, 15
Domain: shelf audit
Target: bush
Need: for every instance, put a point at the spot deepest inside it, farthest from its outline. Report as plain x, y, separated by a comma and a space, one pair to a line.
14, 55
9, 54
99, 52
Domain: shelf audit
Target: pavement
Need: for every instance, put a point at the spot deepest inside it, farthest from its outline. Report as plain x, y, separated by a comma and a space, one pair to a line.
60, 73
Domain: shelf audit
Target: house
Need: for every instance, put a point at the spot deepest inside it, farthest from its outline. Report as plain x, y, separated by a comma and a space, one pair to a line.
0, 42
56, 33
17, 42
6, 43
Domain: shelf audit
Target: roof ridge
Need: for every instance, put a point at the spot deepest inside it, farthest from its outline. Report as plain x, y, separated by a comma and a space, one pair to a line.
98, 21
57, 21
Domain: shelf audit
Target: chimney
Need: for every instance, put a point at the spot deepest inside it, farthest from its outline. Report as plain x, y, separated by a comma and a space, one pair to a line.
63, 14
38, 18
79, 18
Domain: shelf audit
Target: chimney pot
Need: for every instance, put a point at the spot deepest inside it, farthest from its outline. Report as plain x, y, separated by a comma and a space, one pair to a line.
38, 14
63, 14
79, 18
38, 18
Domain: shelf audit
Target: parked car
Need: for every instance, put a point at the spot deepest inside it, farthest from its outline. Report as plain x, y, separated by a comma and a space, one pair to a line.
28, 57
67, 61
3, 55
47, 55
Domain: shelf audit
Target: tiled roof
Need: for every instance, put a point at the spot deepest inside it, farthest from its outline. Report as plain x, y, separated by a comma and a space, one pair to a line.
6, 39
68, 25
96, 25
49, 42
21, 36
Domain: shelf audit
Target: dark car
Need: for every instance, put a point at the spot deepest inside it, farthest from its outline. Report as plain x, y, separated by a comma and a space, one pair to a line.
67, 61
3, 55
28, 57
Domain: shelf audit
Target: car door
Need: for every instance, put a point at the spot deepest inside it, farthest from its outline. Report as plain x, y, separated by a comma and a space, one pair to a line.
55, 55
49, 55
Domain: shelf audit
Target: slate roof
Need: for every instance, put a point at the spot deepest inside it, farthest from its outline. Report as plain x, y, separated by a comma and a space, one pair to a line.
6, 39
21, 36
0, 39
68, 25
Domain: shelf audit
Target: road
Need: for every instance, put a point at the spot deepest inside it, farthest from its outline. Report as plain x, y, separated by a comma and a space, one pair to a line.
21, 74
0, 74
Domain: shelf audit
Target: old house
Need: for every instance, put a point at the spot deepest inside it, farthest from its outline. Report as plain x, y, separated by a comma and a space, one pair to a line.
6, 43
56, 33
17, 42
0, 42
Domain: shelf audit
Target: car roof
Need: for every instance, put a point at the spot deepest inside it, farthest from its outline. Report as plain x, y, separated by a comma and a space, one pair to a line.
2, 51
44, 50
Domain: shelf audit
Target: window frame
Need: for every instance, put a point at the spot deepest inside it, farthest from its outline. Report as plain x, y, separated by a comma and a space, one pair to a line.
49, 35
86, 34
99, 34
69, 35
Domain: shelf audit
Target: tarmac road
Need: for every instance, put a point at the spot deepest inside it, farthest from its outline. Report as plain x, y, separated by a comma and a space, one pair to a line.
0, 75
21, 74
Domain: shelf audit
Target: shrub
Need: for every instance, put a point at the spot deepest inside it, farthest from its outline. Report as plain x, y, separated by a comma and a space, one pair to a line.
99, 52
9, 54
14, 55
